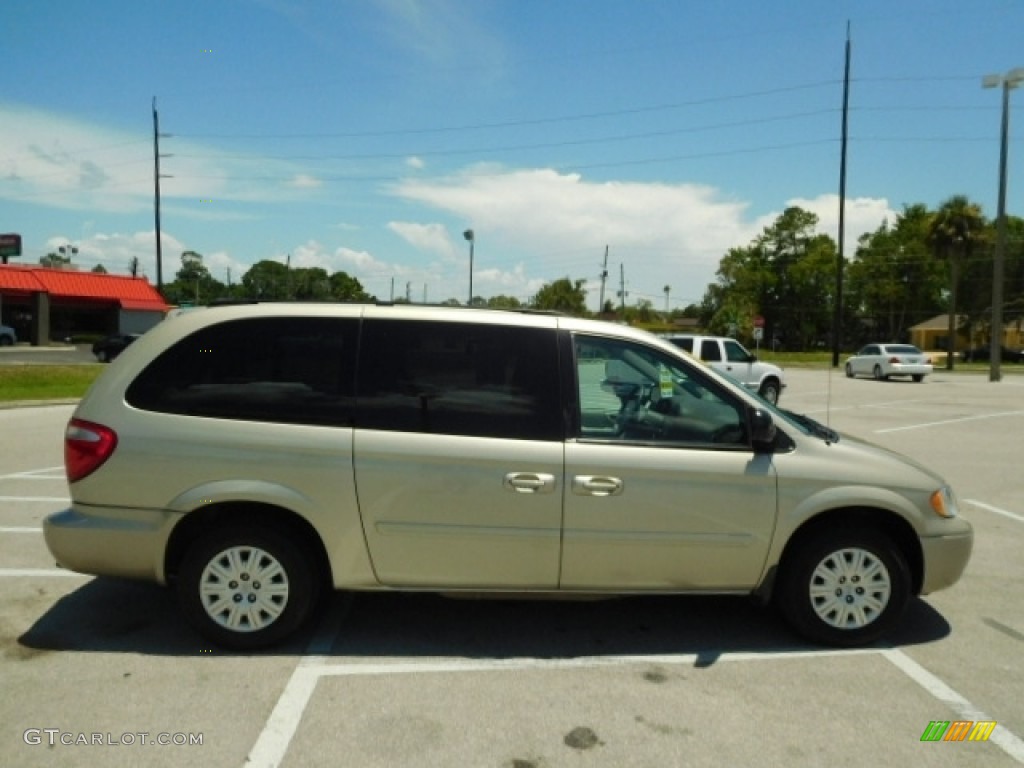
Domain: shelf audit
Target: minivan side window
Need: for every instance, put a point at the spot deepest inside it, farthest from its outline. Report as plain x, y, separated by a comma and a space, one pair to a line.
634, 393
468, 379
297, 370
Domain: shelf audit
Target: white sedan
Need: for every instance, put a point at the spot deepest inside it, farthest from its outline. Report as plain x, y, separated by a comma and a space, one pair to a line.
884, 360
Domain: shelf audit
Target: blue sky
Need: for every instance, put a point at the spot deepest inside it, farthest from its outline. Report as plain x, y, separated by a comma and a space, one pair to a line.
367, 135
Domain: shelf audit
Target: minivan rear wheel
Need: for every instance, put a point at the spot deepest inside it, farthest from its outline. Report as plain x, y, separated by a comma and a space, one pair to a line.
246, 589
844, 587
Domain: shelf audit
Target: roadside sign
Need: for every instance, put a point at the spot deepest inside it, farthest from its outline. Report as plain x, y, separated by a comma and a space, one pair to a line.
10, 245
759, 321
758, 333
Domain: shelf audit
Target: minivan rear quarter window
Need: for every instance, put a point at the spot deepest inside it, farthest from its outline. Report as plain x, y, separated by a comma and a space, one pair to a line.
291, 369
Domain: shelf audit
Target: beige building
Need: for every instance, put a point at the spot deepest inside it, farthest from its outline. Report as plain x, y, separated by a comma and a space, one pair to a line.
933, 333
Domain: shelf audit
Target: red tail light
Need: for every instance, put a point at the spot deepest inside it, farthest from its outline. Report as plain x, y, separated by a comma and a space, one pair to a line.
894, 361
86, 447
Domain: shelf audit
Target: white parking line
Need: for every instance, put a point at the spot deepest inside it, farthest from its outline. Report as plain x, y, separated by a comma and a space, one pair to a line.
1005, 739
276, 736
20, 530
950, 421
49, 473
996, 510
38, 572
47, 499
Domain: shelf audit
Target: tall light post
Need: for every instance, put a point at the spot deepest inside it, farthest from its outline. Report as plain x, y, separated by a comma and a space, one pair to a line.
468, 234
1010, 80
68, 251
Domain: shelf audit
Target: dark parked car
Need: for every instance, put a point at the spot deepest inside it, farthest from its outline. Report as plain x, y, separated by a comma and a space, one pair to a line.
981, 355
112, 346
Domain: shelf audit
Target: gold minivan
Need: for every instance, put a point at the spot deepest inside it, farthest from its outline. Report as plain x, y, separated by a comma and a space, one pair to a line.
256, 456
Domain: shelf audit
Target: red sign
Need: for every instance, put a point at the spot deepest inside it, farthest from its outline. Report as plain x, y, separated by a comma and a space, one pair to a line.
758, 321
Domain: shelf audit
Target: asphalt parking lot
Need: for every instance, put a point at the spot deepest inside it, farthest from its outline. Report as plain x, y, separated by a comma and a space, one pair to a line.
99, 671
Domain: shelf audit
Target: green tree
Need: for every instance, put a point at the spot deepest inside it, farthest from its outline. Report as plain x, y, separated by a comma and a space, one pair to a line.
54, 260
894, 280
266, 280
563, 295
344, 287
504, 302
956, 230
785, 274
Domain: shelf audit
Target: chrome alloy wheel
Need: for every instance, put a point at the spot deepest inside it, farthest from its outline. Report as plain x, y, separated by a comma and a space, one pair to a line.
244, 589
850, 588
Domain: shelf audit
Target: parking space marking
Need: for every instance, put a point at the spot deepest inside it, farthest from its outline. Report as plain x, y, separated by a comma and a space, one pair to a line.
996, 510
37, 499
1002, 737
37, 474
16, 529
927, 424
34, 572
273, 742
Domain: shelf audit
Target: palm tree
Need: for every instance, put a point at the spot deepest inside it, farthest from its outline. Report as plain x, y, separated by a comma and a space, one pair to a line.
955, 229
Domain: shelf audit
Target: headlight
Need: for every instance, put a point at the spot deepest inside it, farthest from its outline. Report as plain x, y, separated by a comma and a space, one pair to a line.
943, 502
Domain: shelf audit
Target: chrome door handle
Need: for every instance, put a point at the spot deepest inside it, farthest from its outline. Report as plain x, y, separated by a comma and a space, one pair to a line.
596, 485
529, 482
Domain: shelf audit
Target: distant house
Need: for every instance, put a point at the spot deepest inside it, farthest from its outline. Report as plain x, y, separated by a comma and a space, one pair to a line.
932, 334
43, 304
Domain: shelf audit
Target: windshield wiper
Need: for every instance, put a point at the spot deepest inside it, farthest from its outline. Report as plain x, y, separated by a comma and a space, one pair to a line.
816, 427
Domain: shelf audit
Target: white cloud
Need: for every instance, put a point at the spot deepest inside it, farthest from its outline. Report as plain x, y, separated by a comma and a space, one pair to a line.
661, 234
54, 161
432, 238
863, 214
304, 181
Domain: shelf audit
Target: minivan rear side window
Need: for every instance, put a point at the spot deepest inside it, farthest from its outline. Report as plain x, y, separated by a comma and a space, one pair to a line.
459, 379
295, 370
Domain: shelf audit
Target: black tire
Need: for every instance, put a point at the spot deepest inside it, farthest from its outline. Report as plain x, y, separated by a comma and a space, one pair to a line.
877, 373
276, 580
770, 391
844, 587
5, 341
849, 371
918, 377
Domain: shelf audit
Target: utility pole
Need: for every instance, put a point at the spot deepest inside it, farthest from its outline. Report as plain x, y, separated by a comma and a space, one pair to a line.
156, 196
622, 289
837, 318
604, 279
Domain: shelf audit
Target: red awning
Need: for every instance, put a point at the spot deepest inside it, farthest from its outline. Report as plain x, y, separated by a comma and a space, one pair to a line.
129, 292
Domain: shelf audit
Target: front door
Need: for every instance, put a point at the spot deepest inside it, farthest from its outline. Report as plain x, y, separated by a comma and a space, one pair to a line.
664, 491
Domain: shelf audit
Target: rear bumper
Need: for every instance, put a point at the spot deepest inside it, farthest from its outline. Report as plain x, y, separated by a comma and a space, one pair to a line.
910, 370
129, 543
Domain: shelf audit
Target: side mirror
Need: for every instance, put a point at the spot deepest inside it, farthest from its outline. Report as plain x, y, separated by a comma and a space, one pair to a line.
762, 426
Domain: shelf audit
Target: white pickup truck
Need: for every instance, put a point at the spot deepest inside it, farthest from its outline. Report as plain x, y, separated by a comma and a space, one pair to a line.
733, 359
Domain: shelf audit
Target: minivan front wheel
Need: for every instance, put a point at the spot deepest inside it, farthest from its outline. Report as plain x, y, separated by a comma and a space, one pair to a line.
844, 587
246, 589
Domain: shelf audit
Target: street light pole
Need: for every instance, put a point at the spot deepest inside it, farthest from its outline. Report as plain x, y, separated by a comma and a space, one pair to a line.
1011, 79
68, 251
468, 234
